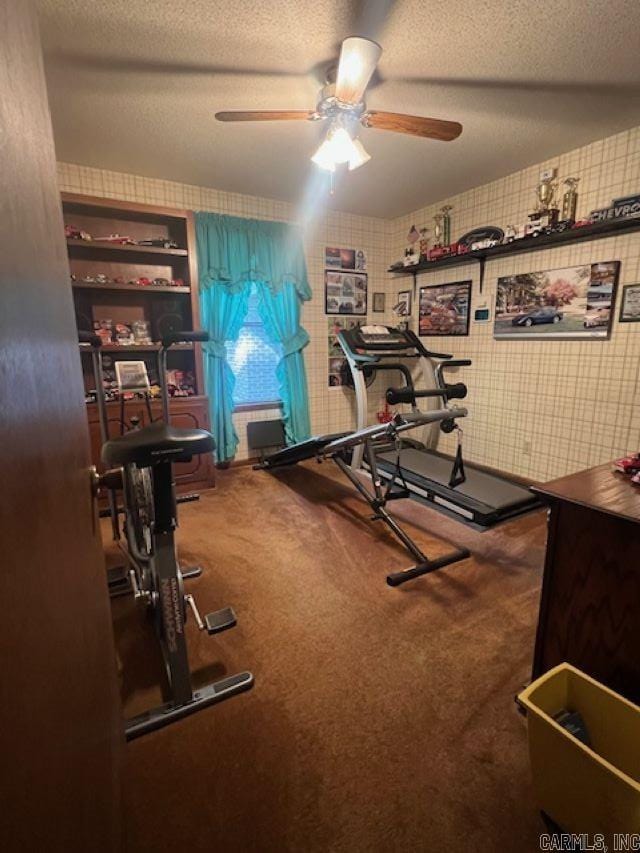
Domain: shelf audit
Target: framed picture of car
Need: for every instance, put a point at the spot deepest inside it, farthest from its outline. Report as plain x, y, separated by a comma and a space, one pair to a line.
566, 303
444, 309
630, 304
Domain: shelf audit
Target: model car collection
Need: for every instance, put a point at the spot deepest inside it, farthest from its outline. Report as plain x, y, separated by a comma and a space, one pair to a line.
72, 232
541, 223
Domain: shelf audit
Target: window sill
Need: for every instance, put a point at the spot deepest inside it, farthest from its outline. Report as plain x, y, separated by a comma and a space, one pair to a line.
256, 407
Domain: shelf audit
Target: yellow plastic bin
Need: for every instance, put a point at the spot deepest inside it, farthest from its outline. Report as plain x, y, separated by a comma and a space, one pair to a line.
596, 788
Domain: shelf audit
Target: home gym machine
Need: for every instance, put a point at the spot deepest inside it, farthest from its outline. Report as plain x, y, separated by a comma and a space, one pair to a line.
460, 490
337, 447
140, 466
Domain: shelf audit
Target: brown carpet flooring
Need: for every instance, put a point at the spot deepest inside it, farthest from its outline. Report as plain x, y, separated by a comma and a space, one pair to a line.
381, 719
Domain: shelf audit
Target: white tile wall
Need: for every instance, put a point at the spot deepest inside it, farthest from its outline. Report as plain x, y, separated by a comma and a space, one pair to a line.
574, 403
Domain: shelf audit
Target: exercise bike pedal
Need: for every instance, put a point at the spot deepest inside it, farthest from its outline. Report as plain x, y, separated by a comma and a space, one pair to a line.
189, 572
220, 620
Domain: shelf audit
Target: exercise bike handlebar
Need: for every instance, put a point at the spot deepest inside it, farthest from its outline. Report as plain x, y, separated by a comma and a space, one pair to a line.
171, 338
457, 391
94, 341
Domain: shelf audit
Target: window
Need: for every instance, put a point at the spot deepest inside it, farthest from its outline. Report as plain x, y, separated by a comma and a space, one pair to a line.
253, 359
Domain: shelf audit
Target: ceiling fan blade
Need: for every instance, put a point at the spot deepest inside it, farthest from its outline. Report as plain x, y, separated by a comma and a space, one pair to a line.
358, 60
265, 115
431, 128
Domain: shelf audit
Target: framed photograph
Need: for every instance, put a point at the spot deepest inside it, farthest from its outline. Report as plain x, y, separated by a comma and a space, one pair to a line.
569, 303
403, 306
132, 376
345, 293
345, 259
336, 358
378, 303
444, 309
630, 304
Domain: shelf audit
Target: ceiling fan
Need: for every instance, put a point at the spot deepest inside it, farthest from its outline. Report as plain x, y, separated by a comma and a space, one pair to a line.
341, 104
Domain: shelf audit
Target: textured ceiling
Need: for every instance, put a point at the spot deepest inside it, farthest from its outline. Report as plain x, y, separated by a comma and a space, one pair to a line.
134, 86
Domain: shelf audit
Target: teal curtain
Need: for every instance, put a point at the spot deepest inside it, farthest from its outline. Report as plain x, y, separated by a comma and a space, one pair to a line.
234, 253
222, 311
280, 313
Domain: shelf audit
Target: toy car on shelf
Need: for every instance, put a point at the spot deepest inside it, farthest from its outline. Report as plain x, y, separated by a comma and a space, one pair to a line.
544, 314
72, 232
159, 243
628, 465
487, 243
439, 252
118, 239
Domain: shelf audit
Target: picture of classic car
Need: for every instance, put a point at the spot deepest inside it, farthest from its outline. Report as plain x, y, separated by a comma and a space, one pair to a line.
545, 314
596, 317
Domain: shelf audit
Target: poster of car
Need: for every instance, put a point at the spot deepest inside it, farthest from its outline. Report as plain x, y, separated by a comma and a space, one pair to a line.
345, 259
569, 302
630, 307
345, 293
336, 360
444, 309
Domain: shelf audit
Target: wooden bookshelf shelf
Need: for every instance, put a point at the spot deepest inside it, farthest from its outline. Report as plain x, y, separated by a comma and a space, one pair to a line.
151, 288
93, 247
138, 347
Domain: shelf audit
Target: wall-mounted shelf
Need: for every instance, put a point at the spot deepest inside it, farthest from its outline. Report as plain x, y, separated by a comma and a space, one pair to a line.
114, 285
596, 231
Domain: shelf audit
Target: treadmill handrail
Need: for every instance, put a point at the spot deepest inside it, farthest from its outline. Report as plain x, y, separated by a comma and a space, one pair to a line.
400, 423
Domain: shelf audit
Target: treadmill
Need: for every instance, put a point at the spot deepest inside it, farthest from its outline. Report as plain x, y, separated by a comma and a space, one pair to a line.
461, 490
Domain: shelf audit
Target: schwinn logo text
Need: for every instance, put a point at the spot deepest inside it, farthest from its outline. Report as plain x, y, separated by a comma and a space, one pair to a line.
172, 611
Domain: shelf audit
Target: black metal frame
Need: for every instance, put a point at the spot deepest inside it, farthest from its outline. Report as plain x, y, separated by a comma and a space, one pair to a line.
377, 501
157, 576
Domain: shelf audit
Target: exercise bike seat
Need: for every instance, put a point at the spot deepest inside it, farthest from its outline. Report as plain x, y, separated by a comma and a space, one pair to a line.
157, 442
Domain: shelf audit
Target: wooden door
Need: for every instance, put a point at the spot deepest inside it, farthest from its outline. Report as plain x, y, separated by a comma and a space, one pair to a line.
60, 722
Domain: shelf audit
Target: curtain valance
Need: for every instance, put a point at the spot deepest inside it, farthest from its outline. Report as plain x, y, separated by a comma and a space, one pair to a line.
234, 251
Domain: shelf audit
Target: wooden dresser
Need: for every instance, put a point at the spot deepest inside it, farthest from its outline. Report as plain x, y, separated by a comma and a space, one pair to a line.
590, 603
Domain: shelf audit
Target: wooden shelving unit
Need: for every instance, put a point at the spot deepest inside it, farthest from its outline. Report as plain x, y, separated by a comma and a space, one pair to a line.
163, 307
596, 231
114, 285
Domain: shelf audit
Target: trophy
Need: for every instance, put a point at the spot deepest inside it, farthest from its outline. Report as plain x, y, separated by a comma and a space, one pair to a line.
545, 192
446, 224
424, 243
437, 229
570, 199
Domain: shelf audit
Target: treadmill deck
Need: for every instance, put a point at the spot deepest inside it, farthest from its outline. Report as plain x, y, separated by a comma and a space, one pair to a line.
483, 498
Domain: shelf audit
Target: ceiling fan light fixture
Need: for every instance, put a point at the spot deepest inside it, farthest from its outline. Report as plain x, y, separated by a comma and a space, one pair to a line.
358, 60
324, 157
359, 156
342, 145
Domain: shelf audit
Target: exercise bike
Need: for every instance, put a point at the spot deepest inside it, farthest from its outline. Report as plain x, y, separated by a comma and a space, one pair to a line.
139, 464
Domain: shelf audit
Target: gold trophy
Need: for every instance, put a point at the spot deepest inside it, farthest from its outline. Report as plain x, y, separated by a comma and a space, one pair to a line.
545, 192
570, 199
437, 229
446, 224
